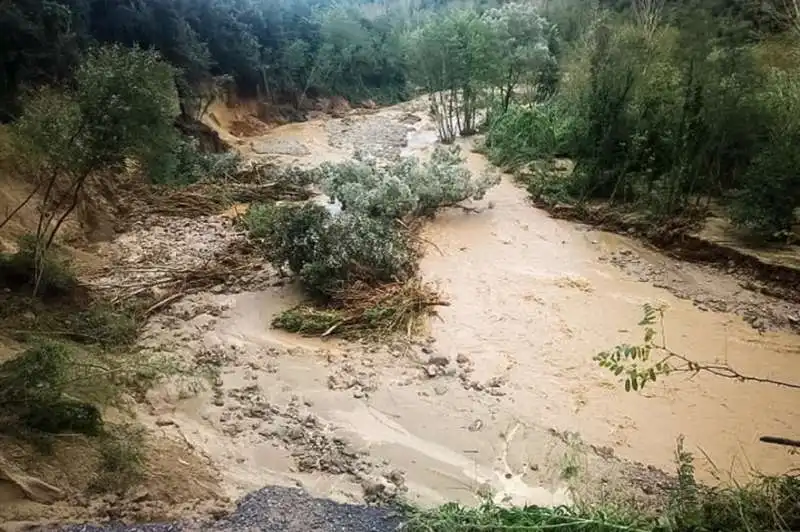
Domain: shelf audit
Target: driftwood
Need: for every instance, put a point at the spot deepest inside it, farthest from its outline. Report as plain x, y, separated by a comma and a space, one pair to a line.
33, 488
780, 441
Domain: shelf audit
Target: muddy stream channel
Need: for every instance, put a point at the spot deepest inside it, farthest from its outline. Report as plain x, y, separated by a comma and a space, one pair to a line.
503, 398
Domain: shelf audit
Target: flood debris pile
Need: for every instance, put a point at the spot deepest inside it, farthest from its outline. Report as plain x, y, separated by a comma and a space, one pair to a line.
359, 263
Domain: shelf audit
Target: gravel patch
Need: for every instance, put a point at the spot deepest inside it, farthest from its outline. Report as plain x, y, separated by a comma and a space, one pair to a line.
277, 509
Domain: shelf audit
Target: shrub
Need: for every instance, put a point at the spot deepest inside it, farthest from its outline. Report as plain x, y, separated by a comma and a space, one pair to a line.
186, 164
330, 252
18, 269
33, 392
770, 190
122, 458
521, 135
405, 188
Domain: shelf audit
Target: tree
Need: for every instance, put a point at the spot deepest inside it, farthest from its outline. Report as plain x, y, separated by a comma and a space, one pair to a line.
448, 57
520, 51
123, 106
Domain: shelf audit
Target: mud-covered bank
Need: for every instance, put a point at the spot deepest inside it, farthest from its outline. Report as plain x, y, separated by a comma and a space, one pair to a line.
686, 240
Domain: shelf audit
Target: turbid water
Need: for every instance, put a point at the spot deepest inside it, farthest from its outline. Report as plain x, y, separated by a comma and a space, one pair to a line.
518, 411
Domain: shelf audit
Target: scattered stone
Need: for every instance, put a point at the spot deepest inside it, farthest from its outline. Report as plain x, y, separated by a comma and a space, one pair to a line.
427, 349
432, 371
476, 426
164, 422
463, 359
440, 389
439, 360
485, 491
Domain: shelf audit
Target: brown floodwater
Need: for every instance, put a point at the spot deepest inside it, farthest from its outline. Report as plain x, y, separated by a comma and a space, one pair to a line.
532, 301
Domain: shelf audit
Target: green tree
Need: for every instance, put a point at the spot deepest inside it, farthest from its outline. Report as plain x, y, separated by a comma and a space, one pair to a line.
520, 47
123, 107
449, 56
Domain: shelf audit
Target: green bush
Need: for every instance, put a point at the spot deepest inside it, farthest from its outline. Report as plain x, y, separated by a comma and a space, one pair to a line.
186, 164
329, 252
769, 191
663, 117
33, 393
521, 135
405, 188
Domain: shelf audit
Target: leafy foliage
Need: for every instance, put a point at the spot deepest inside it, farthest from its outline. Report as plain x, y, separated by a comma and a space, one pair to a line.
404, 188
663, 109
327, 252
634, 364
34, 392
461, 55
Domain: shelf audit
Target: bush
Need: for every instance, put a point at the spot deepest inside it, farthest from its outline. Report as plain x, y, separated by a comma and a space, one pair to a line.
18, 270
186, 164
122, 458
521, 135
330, 252
33, 392
405, 188
770, 190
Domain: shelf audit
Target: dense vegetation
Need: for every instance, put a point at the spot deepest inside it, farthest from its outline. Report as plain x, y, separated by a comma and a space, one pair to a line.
665, 107
280, 50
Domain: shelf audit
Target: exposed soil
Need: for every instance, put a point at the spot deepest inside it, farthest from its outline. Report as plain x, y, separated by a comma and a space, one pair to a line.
762, 269
501, 400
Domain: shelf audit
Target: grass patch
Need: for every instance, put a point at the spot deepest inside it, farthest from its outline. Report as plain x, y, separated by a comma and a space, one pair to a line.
364, 312
491, 517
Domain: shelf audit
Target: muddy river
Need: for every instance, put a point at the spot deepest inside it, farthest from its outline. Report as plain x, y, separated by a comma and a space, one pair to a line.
519, 410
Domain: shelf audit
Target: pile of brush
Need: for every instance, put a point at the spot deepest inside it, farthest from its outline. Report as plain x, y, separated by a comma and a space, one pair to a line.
362, 311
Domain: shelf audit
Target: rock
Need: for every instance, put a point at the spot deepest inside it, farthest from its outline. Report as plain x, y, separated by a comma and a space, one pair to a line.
427, 349
450, 372
475, 426
439, 360
358, 394
164, 422
477, 386
397, 477
140, 495
463, 359
440, 390
28, 316
295, 433
372, 488
485, 491
495, 382
432, 371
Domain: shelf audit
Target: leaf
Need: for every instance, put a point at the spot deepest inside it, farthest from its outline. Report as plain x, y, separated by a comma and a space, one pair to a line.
627, 385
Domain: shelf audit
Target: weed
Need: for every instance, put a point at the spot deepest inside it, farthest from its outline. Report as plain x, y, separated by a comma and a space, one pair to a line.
122, 454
